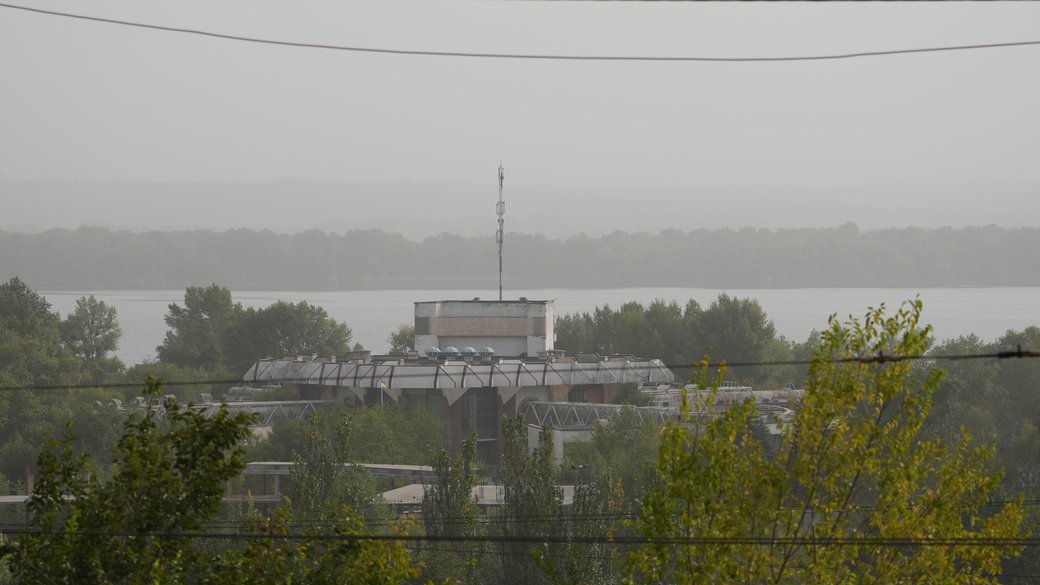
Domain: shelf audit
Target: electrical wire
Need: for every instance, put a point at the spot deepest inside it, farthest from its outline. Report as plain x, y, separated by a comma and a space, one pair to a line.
523, 56
880, 358
545, 539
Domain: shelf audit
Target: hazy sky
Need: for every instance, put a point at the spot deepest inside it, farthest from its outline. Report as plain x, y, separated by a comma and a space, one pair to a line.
412, 143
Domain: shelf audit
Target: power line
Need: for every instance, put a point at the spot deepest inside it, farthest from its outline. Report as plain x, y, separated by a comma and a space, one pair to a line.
880, 358
872, 541
523, 56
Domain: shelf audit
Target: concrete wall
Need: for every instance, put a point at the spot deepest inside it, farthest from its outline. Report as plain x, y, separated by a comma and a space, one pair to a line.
511, 328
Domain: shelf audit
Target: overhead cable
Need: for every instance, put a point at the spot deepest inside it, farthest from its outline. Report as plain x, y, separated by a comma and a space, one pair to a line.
880, 358
521, 56
543, 539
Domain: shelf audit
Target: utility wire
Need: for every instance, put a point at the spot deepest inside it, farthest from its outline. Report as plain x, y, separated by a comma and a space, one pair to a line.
564, 539
880, 358
526, 56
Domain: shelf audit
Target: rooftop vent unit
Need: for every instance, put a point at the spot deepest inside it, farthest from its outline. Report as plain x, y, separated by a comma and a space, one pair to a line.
450, 351
487, 352
363, 355
468, 351
432, 351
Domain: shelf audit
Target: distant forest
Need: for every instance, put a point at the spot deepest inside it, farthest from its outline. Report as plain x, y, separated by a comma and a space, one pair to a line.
845, 256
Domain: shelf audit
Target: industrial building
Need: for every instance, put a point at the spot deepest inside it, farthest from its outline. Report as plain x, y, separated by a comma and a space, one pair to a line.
479, 361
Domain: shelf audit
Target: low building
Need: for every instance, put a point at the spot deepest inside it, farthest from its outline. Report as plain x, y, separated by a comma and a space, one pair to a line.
505, 363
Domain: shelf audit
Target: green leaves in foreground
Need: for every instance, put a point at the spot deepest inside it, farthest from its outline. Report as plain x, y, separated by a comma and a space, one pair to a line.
851, 464
170, 470
146, 523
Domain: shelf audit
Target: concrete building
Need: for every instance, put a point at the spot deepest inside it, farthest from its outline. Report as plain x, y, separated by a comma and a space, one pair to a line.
512, 328
471, 389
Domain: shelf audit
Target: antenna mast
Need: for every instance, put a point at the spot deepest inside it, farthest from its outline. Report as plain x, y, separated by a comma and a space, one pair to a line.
500, 208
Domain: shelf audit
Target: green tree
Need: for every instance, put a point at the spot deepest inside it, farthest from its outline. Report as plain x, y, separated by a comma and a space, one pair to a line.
731, 329
213, 333
449, 509
624, 447
325, 476
285, 328
532, 503
403, 433
997, 400
91, 333
197, 337
403, 339
31, 353
177, 376
169, 479
737, 330
334, 556
140, 524
30, 338
853, 464
596, 512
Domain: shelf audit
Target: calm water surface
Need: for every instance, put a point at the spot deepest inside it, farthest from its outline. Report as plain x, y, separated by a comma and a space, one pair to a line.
373, 315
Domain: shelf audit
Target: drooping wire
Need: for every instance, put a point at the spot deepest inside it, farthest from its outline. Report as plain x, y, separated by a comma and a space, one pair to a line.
521, 56
986, 541
880, 358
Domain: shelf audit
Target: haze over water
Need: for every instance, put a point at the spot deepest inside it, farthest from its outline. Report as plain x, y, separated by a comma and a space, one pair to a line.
150, 130
116, 126
373, 315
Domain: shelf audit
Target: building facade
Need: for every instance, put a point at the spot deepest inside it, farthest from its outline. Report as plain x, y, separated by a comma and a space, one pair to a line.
519, 328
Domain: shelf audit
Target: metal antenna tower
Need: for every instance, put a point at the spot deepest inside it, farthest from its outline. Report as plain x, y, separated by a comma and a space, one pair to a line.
500, 208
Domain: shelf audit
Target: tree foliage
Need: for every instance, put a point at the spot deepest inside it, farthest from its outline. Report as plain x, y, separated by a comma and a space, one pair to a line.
532, 503
325, 477
211, 332
36, 349
142, 524
169, 480
403, 339
330, 557
852, 464
397, 432
449, 509
92, 333
623, 448
731, 329
31, 351
198, 330
998, 401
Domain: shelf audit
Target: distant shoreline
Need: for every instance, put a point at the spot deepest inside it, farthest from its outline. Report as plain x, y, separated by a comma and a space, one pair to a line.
369, 260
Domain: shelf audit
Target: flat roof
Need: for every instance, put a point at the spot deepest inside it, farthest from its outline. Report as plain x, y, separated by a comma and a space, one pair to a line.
495, 301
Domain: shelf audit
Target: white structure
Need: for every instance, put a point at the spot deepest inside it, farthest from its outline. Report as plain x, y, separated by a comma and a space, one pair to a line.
510, 328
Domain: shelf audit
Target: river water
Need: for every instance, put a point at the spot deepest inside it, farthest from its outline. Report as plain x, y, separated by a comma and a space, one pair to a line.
373, 315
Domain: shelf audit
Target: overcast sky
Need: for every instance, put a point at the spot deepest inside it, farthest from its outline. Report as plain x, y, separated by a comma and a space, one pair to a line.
286, 138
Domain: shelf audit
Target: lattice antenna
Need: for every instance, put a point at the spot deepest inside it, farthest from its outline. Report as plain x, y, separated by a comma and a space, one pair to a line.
500, 208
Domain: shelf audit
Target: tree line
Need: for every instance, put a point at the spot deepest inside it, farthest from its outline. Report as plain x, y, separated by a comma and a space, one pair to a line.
843, 256
629, 480
210, 337
731, 329
854, 489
